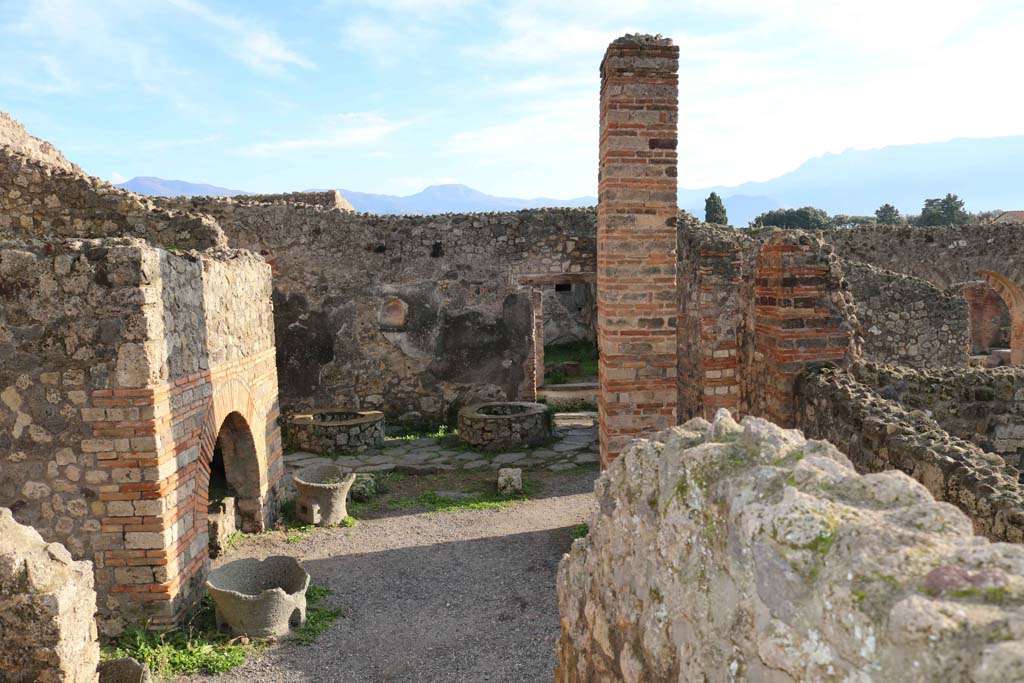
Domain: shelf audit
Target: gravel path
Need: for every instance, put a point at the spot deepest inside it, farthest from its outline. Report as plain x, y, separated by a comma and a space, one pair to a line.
451, 597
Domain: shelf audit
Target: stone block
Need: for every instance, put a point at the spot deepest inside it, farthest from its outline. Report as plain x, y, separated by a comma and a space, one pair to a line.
784, 564
510, 481
47, 607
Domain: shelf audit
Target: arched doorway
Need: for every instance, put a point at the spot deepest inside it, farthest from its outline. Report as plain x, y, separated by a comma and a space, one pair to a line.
988, 318
1013, 295
235, 472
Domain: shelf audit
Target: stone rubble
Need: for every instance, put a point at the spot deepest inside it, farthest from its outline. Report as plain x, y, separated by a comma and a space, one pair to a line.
725, 552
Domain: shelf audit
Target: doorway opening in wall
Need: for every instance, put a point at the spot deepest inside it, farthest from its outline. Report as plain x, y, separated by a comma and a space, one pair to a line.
570, 333
234, 484
1012, 295
989, 322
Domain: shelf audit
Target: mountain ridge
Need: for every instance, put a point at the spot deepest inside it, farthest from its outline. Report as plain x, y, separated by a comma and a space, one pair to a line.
982, 171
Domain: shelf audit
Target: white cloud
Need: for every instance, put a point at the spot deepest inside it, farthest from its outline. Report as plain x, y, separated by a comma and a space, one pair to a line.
116, 178
757, 102
549, 149
259, 48
544, 83
347, 131
533, 39
379, 39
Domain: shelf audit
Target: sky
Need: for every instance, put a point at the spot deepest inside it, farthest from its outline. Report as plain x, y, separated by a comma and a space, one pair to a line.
393, 95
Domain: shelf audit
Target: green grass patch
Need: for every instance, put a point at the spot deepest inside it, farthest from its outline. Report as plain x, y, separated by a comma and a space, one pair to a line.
198, 648
297, 531
583, 352
413, 433
478, 500
318, 617
580, 531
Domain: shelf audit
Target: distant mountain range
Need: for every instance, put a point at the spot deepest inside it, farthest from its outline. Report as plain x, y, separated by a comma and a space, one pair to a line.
985, 172
158, 187
434, 199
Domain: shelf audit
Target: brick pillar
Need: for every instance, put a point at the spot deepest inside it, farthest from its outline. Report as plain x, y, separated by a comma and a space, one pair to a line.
802, 315
636, 240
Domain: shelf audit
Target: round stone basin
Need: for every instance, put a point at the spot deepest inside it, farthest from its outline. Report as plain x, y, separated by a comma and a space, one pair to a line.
502, 425
259, 598
336, 430
322, 491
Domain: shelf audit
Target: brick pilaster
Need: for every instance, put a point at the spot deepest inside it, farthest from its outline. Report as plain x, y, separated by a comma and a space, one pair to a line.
801, 316
636, 240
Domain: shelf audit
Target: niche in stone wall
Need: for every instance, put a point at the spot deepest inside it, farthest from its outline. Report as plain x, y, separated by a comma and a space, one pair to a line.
393, 314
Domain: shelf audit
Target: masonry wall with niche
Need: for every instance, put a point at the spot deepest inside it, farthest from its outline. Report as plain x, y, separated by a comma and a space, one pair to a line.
412, 315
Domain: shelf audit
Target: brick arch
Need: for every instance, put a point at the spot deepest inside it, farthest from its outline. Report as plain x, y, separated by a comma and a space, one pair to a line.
1013, 295
232, 417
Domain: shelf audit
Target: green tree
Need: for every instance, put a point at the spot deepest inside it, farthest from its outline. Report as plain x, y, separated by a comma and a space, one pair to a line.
714, 210
888, 214
841, 220
946, 211
805, 218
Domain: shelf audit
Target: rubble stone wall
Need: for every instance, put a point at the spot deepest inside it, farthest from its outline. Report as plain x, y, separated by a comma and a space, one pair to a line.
880, 434
751, 554
121, 363
908, 321
47, 603
945, 256
413, 315
43, 201
983, 406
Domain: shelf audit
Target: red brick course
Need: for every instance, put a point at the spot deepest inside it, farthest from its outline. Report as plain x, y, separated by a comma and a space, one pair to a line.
636, 241
154, 560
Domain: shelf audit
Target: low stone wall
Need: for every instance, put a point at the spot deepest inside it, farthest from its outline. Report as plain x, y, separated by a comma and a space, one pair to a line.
879, 434
331, 199
944, 255
982, 405
751, 554
338, 430
47, 603
906, 320
504, 426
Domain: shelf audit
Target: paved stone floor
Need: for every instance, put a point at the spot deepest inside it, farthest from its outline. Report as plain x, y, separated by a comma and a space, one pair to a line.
574, 443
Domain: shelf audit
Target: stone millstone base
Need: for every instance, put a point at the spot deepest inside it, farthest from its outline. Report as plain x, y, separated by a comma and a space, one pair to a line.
503, 426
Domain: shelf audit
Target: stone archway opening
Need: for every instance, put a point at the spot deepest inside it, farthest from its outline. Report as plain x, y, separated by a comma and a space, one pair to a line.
988, 318
1013, 295
235, 472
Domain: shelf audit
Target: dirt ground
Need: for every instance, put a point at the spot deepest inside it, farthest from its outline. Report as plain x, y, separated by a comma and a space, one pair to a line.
462, 596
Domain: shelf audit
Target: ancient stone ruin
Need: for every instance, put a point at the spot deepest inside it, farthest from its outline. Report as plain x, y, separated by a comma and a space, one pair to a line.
748, 553
47, 603
153, 348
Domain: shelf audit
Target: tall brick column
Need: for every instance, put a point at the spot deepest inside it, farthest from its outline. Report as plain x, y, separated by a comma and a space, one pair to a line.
636, 240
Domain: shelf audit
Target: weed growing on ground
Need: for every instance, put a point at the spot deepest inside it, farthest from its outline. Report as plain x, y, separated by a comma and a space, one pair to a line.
318, 617
297, 531
580, 530
197, 648
412, 434
583, 352
480, 500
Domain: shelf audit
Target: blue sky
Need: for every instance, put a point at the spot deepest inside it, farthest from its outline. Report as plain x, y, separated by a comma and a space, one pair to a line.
393, 95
